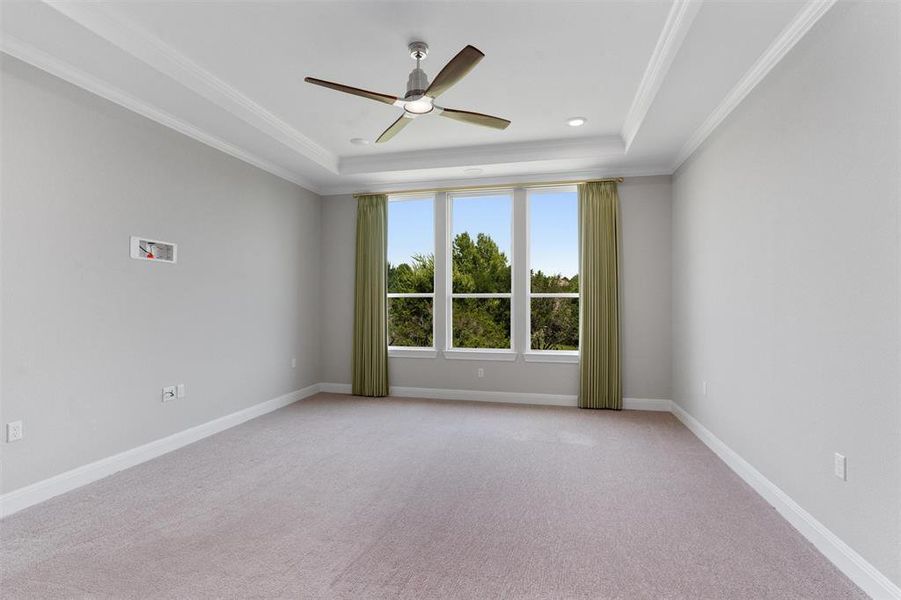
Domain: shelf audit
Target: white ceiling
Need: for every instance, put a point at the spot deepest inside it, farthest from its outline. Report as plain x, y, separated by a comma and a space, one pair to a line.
653, 79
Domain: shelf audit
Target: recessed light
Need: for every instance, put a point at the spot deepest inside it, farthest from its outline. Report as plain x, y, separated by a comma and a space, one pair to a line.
473, 171
359, 142
576, 121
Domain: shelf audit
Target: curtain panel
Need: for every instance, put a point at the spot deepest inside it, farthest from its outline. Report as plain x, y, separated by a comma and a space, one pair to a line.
370, 343
600, 379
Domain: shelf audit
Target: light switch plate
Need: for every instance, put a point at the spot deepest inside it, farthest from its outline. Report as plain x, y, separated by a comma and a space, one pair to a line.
181, 390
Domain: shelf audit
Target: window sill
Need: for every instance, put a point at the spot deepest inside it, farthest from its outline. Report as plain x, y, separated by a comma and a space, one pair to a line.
476, 354
399, 352
553, 356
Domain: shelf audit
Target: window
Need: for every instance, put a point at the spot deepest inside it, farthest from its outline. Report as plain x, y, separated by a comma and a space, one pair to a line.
480, 256
456, 283
553, 269
411, 272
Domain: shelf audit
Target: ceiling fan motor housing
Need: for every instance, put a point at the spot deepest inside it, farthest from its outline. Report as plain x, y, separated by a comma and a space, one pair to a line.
417, 84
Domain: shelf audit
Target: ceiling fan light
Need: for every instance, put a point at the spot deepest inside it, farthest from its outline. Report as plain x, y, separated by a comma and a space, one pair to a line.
418, 107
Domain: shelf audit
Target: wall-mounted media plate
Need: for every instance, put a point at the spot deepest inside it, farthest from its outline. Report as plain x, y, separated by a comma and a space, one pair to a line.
154, 250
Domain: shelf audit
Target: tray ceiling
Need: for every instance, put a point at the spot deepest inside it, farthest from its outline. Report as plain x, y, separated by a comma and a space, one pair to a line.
652, 78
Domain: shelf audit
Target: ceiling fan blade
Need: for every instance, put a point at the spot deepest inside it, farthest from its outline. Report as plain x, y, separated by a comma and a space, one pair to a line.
454, 71
389, 133
352, 90
475, 118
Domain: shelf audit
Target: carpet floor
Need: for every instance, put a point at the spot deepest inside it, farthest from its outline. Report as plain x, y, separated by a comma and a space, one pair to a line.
343, 497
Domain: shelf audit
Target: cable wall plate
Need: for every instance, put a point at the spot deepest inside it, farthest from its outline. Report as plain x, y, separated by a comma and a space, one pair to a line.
143, 248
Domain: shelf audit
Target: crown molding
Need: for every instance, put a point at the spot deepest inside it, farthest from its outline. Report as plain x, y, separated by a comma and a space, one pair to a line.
165, 59
39, 59
809, 14
493, 154
541, 177
678, 22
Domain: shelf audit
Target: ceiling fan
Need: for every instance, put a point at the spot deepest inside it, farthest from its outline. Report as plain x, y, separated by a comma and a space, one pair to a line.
420, 97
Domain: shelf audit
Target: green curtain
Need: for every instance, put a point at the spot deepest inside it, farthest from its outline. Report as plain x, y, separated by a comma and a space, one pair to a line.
370, 355
599, 369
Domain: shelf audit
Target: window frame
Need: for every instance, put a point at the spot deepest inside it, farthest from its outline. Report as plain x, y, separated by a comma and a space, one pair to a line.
417, 351
535, 355
450, 351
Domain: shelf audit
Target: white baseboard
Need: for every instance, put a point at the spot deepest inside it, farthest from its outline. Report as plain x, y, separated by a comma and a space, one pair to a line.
335, 388
653, 404
35, 493
849, 562
504, 397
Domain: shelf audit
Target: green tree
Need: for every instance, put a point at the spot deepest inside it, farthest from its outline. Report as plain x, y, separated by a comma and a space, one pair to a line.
416, 278
553, 284
410, 319
555, 321
478, 266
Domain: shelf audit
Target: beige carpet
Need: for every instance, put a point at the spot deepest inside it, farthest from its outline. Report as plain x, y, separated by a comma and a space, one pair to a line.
339, 497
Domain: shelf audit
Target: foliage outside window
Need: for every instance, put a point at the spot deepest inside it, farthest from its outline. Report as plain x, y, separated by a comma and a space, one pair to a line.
554, 269
411, 272
481, 268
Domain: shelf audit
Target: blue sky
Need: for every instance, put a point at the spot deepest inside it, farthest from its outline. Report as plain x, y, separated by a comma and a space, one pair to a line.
485, 214
553, 224
554, 236
411, 230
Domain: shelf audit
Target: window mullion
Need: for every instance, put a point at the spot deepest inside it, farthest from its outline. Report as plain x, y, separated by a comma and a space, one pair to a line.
441, 305
519, 309
410, 295
553, 295
482, 295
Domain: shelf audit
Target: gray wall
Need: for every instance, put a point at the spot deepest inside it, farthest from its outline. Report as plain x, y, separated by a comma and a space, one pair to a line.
786, 278
89, 336
646, 289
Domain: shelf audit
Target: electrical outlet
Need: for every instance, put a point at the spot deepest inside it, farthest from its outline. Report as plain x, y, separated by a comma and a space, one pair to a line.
169, 393
180, 390
14, 431
480, 372
841, 466
294, 363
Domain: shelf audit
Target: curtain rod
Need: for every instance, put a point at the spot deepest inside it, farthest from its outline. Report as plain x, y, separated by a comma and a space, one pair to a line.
494, 187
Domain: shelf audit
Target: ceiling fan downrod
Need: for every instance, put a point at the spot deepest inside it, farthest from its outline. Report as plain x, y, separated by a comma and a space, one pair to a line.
418, 81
